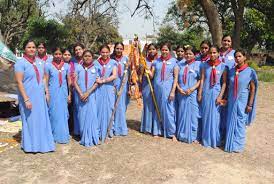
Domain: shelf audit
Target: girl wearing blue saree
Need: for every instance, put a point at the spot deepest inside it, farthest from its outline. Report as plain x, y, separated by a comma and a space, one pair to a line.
188, 108
42, 53
211, 92
120, 124
105, 93
67, 59
226, 52
78, 49
36, 128
243, 84
180, 53
227, 57
147, 122
165, 75
57, 94
203, 56
85, 86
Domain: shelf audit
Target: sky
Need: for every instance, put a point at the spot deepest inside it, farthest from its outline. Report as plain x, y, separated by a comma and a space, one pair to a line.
129, 26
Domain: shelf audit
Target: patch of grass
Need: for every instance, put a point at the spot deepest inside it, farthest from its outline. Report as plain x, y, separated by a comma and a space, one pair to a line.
253, 65
266, 76
267, 67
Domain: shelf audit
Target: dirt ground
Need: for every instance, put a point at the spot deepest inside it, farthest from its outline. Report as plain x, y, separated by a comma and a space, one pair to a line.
140, 158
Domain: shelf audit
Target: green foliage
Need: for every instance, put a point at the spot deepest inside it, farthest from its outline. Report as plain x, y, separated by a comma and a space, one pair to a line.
266, 76
193, 36
14, 15
90, 31
253, 65
51, 32
258, 24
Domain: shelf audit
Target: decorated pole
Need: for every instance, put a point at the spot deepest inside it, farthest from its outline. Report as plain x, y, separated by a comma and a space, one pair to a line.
143, 62
119, 94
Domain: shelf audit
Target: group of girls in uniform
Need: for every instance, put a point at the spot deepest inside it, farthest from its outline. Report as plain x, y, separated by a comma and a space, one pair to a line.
208, 98
54, 91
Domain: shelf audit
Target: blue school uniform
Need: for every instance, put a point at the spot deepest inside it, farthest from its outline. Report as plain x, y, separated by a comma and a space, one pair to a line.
76, 123
229, 60
87, 111
120, 124
36, 128
237, 118
211, 117
188, 108
105, 97
58, 104
147, 121
162, 89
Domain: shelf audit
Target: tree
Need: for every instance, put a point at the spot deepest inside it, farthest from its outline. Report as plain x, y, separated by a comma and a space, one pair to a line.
249, 21
14, 15
214, 23
238, 9
92, 22
51, 32
192, 36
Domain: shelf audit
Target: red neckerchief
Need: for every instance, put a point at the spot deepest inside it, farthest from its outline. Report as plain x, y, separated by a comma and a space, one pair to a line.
204, 58
236, 78
186, 70
118, 59
224, 54
44, 58
213, 75
59, 68
32, 61
86, 73
163, 70
103, 64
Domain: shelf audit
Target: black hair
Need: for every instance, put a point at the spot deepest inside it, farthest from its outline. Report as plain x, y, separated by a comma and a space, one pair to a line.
56, 49
226, 35
152, 44
65, 50
88, 51
207, 42
242, 51
78, 44
189, 47
42, 43
104, 46
216, 47
118, 43
28, 41
180, 47
166, 44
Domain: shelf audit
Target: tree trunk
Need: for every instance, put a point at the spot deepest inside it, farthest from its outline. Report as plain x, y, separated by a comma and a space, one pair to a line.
238, 10
214, 22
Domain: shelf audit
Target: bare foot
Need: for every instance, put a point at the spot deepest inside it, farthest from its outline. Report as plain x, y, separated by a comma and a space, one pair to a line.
174, 139
196, 142
155, 136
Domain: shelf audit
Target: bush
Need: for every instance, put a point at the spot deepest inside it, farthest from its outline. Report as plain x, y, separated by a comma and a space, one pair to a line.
266, 76
253, 65
267, 68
